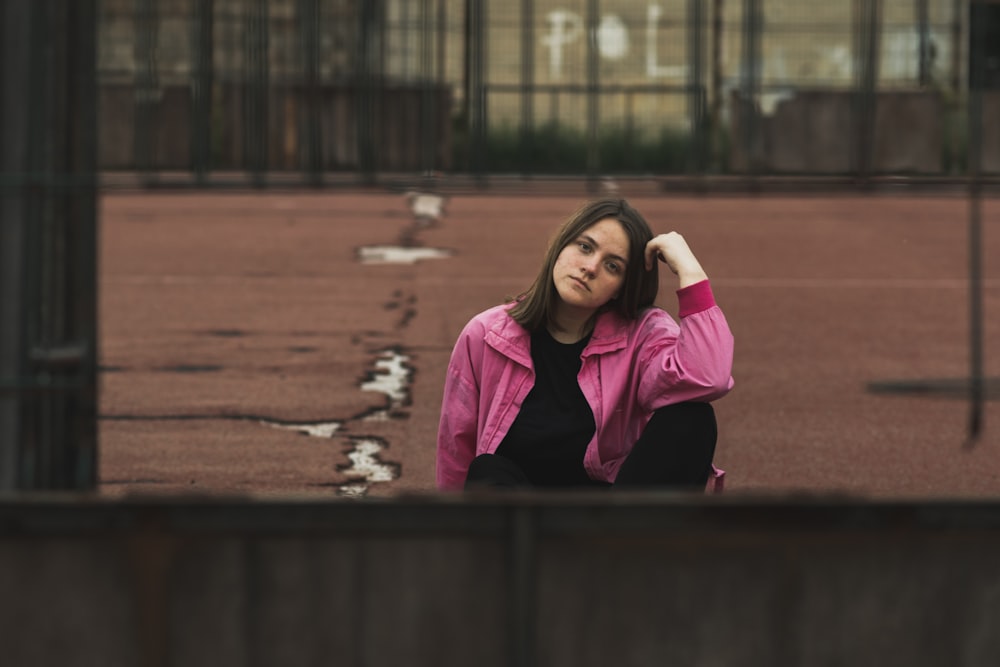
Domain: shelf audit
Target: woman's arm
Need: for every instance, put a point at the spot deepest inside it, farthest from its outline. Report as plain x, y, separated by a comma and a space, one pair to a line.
694, 362
458, 426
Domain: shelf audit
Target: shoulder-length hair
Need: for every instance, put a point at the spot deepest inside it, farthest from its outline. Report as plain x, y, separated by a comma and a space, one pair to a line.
536, 306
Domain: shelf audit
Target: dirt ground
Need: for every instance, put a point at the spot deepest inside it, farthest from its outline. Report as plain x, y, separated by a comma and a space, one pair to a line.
247, 349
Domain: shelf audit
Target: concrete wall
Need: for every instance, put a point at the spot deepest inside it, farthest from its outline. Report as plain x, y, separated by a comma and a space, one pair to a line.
544, 580
816, 132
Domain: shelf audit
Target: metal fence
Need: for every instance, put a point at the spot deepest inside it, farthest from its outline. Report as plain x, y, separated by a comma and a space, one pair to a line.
259, 91
307, 88
48, 329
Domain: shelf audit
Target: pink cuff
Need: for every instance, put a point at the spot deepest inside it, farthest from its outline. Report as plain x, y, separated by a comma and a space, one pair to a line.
695, 298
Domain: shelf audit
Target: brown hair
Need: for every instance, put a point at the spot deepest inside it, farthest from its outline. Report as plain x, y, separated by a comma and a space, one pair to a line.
535, 307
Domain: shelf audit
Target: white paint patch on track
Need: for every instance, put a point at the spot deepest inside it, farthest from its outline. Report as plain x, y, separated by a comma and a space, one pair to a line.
392, 377
366, 467
317, 430
389, 254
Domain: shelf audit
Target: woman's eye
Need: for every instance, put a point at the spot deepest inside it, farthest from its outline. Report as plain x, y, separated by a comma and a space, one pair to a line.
584, 246
613, 267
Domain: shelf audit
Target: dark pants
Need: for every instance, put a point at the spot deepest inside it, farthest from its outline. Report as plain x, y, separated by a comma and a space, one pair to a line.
674, 451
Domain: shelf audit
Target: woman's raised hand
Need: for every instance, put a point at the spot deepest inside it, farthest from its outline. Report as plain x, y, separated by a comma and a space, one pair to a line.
673, 250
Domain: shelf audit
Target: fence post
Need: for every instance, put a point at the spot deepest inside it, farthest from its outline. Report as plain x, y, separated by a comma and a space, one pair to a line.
716, 132
428, 102
310, 134
256, 138
48, 325
367, 69
527, 84
202, 83
146, 89
977, 82
475, 86
867, 28
924, 45
696, 86
14, 44
750, 83
593, 95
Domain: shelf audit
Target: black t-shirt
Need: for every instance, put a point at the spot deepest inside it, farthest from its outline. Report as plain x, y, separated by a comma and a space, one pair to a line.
550, 434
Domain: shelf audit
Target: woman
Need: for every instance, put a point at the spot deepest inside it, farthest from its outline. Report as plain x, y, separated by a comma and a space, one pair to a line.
581, 381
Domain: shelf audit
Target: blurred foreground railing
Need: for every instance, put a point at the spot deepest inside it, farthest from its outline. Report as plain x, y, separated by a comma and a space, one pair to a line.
505, 581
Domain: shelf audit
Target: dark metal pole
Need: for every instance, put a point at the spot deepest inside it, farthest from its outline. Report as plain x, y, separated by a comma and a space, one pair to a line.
428, 107
309, 97
716, 112
593, 94
146, 89
48, 332
924, 43
15, 43
444, 93
202, 84
475, 38
367, 71
750, 83
867, 28
527, 84
256, 135
977, 61
696, 86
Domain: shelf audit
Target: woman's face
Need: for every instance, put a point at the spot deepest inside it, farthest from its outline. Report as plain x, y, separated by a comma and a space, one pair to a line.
590, 271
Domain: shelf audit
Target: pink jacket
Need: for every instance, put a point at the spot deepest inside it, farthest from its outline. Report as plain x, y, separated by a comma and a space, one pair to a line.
629, 369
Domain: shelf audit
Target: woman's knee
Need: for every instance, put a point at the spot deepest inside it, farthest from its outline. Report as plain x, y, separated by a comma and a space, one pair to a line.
692, 419
676, 448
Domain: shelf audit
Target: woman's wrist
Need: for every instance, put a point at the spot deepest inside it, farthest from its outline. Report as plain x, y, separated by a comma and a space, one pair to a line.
695, 298
688, 276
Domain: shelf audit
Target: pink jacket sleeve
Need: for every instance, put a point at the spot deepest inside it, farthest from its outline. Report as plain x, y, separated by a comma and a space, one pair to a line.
458, 426
692, 362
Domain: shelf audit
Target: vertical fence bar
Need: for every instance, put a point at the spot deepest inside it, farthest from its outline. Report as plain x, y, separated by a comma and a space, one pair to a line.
365, 72
15, 43
444, 88
955, 77
715, 116
955, 87
44, 138
923, 43
868, 25
146, 88
81, 337
256, 137
475, 86
202, 85
310, 138
977, 82
593, 94
48, 337
428, 106
750, 83
37, 196
695, 86
527, 84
